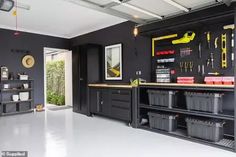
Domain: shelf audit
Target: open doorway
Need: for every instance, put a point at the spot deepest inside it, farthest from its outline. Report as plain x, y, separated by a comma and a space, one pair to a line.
57, 78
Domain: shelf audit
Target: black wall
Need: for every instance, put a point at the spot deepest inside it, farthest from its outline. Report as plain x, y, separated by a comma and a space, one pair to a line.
33, 43
136, 53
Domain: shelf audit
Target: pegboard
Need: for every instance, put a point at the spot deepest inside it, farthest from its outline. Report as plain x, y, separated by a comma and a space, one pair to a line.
215, 29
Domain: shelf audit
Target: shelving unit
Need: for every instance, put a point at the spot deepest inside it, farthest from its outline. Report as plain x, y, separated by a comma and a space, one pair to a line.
228, 114
17, 107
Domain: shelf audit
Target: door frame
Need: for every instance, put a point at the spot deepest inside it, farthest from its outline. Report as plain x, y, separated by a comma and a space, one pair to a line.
70, 81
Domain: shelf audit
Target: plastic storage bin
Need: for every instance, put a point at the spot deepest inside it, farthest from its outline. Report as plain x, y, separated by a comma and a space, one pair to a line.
9, 108
162, 98
207, 102
162, 121
207, 130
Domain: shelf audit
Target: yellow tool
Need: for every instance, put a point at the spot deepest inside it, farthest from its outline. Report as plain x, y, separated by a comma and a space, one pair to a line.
188, 36
224, 51
232, 27
208, 34
161, 38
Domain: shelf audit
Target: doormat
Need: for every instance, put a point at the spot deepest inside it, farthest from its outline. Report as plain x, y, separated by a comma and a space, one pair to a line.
58, 108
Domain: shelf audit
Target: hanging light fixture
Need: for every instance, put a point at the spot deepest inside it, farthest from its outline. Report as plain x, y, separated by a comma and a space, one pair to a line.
6, 5
135, 31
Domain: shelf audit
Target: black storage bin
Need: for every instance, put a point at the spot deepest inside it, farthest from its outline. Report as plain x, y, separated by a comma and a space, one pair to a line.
162, 98
23, 107
207, 102
164, 122
207, 130
8, 108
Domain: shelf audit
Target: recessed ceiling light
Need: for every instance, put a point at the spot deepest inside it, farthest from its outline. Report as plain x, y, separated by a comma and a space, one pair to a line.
177, 5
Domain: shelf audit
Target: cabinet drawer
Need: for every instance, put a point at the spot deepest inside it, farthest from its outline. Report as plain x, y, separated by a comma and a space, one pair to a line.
120, 113
123, 95
121, 104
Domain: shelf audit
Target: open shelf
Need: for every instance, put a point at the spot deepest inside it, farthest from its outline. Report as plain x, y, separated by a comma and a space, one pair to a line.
227, 115
17, 80
18, 112
14, 102
176, 86
226, 143
16, 90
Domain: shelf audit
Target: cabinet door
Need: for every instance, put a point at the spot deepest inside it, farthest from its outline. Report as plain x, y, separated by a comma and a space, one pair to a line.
94, 100
105, 102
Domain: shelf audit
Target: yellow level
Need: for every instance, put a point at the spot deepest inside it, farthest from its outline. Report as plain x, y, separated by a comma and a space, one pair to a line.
161, 38
224, 51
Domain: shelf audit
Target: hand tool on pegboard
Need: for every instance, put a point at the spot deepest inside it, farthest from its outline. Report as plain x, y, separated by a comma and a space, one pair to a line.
200, 50
203, 70
210, 60
214, 73
208, 39
224, 63
186, 66
191, 66
216, 42
232, 27
188, 37
161, 38
181, 65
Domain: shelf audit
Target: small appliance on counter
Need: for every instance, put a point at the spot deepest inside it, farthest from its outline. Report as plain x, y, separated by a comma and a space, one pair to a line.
4, 73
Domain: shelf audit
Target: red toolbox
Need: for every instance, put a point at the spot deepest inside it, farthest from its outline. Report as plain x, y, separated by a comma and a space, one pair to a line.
185, 80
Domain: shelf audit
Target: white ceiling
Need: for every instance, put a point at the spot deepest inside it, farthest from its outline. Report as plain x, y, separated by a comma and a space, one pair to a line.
57, 18
65, 19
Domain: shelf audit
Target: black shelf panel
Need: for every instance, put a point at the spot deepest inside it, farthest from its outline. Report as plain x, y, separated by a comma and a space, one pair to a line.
227, 115
18, 112
175, 86
16, 90
15, 81
226, 143
15, 102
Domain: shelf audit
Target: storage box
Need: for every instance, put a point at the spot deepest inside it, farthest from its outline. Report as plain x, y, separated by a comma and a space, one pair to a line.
8, 108
163, 121
207, 102
162, 98
185, 80
23, 107
207, 130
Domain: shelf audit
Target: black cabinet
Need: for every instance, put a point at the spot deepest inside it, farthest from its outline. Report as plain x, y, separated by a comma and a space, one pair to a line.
114, 103
86, 69
99, 102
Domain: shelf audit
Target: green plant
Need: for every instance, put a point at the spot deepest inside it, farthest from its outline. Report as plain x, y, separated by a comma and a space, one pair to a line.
56, 82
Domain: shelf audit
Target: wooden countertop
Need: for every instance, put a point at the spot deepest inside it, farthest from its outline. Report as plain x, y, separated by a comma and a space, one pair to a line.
111, 85
187, 85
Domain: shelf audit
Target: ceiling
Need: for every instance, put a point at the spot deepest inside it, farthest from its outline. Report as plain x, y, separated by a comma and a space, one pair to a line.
70, 18
57, 18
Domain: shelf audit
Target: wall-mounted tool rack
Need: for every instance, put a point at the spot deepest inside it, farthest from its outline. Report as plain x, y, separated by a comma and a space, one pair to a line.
211, 53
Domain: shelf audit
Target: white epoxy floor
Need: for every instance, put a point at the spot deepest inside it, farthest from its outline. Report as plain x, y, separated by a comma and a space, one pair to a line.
67, 134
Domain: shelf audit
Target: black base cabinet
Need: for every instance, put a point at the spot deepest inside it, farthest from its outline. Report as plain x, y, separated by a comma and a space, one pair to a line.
112, 102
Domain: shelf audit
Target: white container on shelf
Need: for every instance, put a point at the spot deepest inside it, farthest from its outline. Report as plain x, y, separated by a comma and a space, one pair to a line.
24, 77
15, 97
24, 96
